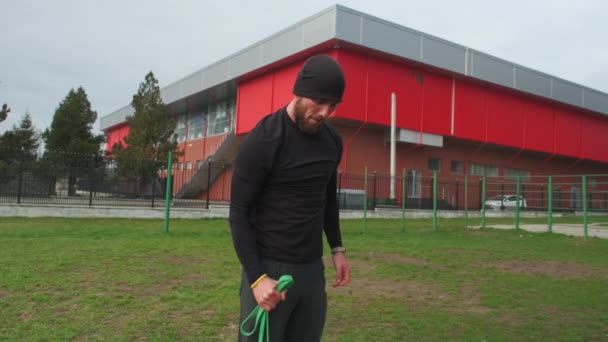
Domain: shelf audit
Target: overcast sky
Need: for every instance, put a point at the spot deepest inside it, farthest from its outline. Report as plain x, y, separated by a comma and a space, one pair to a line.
107, 47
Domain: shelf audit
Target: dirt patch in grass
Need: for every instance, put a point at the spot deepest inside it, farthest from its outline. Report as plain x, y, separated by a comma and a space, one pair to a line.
6, 293
400, 259
357, 266
177, 260
363, 262
393, 289
182, 260
510, 319
26, 316
417, 295
468, 301
163, 286
566, 270
229, 332
411, 293
155, 282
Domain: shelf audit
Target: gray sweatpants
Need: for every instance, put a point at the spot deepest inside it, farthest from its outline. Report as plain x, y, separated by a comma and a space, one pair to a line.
301, 316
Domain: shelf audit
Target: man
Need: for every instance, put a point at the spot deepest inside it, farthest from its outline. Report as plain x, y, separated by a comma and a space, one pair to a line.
283, 197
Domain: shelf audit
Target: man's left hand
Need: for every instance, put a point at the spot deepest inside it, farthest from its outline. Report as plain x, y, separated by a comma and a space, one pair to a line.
342, 269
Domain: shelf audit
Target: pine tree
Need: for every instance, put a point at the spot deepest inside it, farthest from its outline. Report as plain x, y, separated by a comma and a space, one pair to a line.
18, 150
4, 112
70, 145
22, 141
71, 129
150, 130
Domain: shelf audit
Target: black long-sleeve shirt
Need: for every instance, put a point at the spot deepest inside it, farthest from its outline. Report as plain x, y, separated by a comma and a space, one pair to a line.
283, 193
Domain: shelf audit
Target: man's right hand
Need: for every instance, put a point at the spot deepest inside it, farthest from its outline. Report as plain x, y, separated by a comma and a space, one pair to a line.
266, 295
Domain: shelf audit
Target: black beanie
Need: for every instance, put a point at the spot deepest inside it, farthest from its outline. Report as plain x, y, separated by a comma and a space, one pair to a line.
321, 77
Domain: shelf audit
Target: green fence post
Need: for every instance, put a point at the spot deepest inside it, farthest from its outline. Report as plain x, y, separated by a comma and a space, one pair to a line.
403, 199
209, 165
434, 200
365, 202
20, 184
168, 192
517, 202
153, 184
483, 202
466, 201
585, 205
373, 207
550, 199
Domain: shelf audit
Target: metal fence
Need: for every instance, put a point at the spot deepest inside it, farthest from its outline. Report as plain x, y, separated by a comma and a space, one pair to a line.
428, 190
96, 180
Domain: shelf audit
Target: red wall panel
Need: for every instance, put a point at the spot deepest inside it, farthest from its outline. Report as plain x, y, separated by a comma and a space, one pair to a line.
116, 135
409, 98
469, 111
112, 138
255, 101
539, 127
282, 89
437, 104
383, 79
387, 77
424, 102
505, 119
265, 94
353, 104
594, 141
568, 127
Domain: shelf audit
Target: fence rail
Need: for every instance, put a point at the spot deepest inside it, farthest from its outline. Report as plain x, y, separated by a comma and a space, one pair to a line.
96, 180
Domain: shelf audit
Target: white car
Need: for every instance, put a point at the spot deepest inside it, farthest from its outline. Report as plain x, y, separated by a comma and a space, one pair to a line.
506, 202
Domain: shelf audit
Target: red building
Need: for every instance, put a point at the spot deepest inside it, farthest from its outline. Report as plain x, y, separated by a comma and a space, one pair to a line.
458, 111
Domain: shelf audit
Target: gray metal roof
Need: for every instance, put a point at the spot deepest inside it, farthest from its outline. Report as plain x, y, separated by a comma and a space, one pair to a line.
345, 24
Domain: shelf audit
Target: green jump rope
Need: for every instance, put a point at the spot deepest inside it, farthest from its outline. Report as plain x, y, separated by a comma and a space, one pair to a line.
261, 316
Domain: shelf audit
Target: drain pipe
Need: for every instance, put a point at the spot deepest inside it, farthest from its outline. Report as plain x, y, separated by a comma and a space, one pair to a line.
393, 142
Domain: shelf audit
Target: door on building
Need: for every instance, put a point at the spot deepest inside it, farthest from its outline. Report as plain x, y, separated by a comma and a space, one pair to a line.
557, 198
575, 198
414, 187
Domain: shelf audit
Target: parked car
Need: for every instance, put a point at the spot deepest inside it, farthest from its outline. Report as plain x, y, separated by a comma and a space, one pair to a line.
506, 202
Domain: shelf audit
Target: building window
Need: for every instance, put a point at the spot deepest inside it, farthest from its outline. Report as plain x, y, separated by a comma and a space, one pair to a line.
434, 164
524, 174
199, 164
232, 113
483, 170
180, 131
188, 165
592, 182
476, 169
196, 124
414, 183
457, 166
218, 118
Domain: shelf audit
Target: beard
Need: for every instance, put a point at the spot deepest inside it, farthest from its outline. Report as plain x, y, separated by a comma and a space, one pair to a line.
304, 123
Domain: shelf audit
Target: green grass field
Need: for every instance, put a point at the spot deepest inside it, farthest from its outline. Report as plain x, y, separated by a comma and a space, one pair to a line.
124, 280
